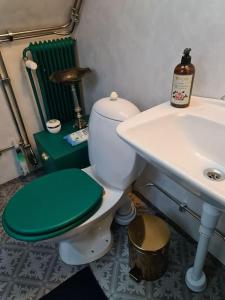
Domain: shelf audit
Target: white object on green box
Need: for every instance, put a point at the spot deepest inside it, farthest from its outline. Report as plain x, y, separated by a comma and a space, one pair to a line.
77, 137
53, 126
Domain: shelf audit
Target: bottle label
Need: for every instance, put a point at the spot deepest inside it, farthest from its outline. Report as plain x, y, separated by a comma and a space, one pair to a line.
181, 90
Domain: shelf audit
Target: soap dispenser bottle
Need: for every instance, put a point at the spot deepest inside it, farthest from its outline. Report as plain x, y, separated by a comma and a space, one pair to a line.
183, 81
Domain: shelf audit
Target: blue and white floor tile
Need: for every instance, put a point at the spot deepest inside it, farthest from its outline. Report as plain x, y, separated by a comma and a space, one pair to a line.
30, 270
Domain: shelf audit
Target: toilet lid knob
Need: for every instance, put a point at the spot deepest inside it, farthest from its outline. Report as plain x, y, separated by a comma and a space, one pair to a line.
114, 96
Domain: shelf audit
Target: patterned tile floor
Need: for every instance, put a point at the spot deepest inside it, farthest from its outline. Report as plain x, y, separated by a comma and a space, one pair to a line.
29, 270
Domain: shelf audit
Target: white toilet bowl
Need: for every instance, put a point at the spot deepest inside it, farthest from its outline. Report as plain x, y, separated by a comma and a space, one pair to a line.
92, 239
83, 211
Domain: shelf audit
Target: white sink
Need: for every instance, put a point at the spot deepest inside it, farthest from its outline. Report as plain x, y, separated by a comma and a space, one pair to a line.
184, 143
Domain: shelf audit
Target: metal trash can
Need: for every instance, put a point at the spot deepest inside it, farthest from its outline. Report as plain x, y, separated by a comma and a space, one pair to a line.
149, 238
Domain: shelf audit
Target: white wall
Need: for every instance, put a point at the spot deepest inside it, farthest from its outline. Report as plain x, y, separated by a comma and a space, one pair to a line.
132, 46
27, 14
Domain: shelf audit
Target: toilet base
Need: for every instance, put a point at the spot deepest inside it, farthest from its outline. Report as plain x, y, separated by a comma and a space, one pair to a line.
89, 245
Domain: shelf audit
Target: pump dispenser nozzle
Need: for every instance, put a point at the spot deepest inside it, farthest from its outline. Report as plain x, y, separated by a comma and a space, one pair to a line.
186, 58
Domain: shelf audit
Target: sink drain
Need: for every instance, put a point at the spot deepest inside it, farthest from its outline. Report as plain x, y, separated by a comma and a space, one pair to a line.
214, 174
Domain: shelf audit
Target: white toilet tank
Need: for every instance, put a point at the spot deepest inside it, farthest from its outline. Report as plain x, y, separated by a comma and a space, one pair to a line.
113, 161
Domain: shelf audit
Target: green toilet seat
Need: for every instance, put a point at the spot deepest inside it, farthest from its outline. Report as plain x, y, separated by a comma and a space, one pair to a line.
52, 205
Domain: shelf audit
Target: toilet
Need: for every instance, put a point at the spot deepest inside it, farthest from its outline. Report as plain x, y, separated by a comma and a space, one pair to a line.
76, 207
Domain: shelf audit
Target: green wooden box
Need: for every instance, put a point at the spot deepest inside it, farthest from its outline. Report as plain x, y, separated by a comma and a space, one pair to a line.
56, 153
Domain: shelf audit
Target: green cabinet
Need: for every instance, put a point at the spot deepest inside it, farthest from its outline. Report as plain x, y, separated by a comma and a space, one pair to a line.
56, 153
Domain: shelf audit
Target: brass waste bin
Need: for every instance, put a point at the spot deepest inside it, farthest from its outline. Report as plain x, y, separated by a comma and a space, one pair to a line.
149, 238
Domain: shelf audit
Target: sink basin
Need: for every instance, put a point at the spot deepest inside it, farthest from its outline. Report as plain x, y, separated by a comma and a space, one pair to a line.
184, 143
188, 144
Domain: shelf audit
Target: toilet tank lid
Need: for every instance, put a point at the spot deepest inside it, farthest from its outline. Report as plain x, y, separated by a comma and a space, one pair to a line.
115, 108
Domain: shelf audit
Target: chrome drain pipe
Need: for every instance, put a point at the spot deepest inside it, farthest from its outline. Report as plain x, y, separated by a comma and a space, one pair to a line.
183, 207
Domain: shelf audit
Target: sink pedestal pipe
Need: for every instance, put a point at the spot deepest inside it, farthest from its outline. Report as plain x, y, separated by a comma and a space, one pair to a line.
195, 277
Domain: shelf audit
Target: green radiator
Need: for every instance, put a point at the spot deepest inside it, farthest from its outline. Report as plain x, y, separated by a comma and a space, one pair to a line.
52, 56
